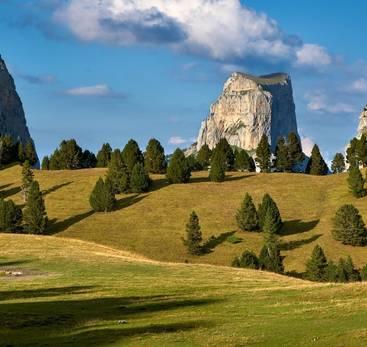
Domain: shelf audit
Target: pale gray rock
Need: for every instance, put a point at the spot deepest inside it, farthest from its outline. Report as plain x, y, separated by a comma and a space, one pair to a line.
249, 107
12, 118
362, 127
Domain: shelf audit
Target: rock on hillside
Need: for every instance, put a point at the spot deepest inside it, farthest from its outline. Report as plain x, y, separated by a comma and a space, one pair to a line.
248, 107
12, 118
362, 127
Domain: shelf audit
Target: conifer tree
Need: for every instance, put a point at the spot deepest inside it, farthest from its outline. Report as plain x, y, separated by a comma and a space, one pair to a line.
331, 272
204, 156
139, 181
8, 150
88, 160
10, 216
30, 153
351, 272
316, 266
34, 215
178, 170
270, 258
282, 162
27, 179
104, 155
338, 163
263, 154
223, 151
269, 204
118, 174
361, 150
316, 164
246, 217
295, 152
45, 163
363, 273
155, 160
21, 154
351, 153
341, 275
102, 198
193, 163
348, 226
193, 235
217, 171
247, 260
356, 182
131, 155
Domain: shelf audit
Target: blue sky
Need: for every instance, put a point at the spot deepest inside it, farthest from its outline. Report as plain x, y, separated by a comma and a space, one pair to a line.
103, 70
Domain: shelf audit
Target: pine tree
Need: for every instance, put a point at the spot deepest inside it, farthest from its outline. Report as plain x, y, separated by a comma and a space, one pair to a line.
102, 198
247, 260
155, 160
351, 153
30, 153
263, 154
88, 160
338, 163
361, 150
316, 266
118, 174
8, 150
246, 217
224, 151
34, 216
341, 275
363, 273
193, 235
282, 162
295, 152
271, 223
316, 164
217, 171
10, 216
104, 155
140, 180
21, 154
193, 163
269, 204
351, 272
356, 182
270, 258
45, 163
331, 274
204, 156
131, 155
27, 179
178, 170
349, 227
68, 156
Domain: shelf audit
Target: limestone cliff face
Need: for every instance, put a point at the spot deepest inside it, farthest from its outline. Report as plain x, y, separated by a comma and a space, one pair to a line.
248, 107
12, 118
362, 127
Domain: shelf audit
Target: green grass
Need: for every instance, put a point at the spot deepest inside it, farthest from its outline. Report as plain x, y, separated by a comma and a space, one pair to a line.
153, 224
74, 293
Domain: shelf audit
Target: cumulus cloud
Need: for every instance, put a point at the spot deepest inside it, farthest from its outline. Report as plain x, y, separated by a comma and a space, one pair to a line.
223, 30
177, 140
319, 102
98, 90
307, 145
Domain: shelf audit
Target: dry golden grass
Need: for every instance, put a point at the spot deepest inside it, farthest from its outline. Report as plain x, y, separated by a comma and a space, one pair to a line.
153, 224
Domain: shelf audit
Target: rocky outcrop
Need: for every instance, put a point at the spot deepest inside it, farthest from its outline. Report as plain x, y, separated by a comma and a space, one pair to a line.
362, 126
248, 107
12, 118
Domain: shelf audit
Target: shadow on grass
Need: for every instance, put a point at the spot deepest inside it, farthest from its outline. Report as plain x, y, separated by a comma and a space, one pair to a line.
57, 227
56, 187
296, 226
129, 201
5, 186
10, 192
215, 241
14, 263
60, 321
291, 245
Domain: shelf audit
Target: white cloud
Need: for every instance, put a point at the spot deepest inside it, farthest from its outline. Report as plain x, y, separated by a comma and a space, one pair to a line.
177, 140
98, 90
359, 85
307, 145
319, 102
221, 29
313, 55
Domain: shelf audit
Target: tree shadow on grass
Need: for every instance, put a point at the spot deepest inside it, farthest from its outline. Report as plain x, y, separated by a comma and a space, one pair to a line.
5, 186
61, 321
291, 245
55, 226
215, 241
9, 192
56, 187
129, 201
13, 263
296, 226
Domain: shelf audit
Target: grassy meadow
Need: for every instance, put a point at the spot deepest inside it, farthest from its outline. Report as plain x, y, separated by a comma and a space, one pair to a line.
75, 293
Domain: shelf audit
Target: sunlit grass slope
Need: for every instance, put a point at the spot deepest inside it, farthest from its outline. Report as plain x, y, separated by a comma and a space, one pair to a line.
75, 293
153, 224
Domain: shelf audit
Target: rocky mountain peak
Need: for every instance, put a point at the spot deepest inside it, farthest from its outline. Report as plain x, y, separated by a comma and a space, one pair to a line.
362, 127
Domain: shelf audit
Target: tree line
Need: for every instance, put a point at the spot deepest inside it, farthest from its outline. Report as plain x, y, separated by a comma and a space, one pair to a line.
12, 151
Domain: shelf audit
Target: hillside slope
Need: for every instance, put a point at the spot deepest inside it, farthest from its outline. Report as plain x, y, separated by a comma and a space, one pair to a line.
153, 224
76, 293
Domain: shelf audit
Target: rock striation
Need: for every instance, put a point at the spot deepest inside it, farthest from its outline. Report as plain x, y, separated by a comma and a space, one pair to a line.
248, 107
12, 118
362, 126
